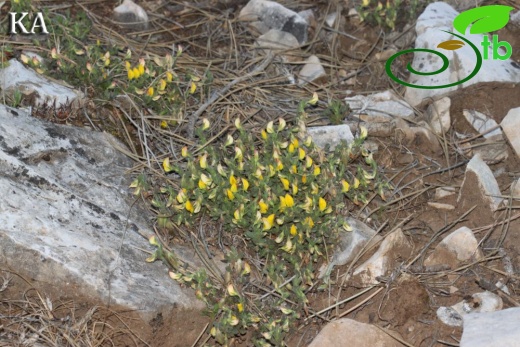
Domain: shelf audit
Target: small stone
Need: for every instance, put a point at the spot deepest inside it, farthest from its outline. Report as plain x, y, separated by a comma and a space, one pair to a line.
385, 104
131, 15
440, 206
493, 150
311, 71
443, 192
394, 246
335, 333
330, 135
459, 246
486, 182
457, 314
493, 329
511, 127
438, 114
308, 16
277, 40
482, 123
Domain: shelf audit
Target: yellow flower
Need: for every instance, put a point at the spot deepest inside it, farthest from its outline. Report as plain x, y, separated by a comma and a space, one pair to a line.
263, 206
279, 165
220, 170
308, 204
232, 180
285, 183
281, 124
258, 174
264, 134
294, 230
247, 268
164, 124
294, 169
236, 214
268, 222
127, 65
107, 62
314, 99
181, 196
295, 143
162, 85
245, 184
150, 91
288, 246
233, 188
229, 141
271, 171
304, 179
345, 187
308, 162
169, 76
205, 124
184, 152
193, 87
230, 194
240, 307
130, 74
270, 128
141, 68
322, 204
308, 141
204, 161
291, 148
189, 207
301, 153
363, 132
136, 72
166, 165
238, 125
309, 222
238, 154
294, 188
289, 201
202, 185
317, 170
356, 183
231, 290
206, 180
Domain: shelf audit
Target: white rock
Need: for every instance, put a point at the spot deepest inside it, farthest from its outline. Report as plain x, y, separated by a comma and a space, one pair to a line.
459, 246
487, 183
331, 19
511, 127
18, 77
441, 206
482, 123
493, 329
275, 16
493, 150
515, 19
131, 15
457, 314
385, 104
350, 244
277, 40
385, 259
443, 192
439, 115
309, 17
437, 17
336, 333
311, 71
65, 213
330, 135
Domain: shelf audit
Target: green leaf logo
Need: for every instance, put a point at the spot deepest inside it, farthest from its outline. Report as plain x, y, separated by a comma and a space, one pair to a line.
484, 19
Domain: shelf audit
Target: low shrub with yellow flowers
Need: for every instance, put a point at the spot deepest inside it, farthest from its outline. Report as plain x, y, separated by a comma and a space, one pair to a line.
282, 196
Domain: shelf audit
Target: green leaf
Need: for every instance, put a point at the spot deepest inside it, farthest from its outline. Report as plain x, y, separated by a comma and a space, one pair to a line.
484, 19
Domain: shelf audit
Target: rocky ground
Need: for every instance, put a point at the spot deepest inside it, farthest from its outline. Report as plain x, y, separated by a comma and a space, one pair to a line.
447, 240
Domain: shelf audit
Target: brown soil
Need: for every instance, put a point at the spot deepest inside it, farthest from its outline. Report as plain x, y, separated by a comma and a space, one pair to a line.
408, 303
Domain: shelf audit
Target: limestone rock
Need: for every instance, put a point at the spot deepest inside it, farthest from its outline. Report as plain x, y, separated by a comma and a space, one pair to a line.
311, 71
385, 104
439, 16
482, 123
439, 115
486, 182
272, 15
492, 329
277, 40
511, 127
350, 244
479, 302
131, 15
63, 216
459, 246
17, 77
330, 135
336, 333
393, 247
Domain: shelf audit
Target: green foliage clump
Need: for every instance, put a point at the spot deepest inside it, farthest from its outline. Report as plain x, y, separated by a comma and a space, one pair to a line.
375, 13
281, 197
337, 111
